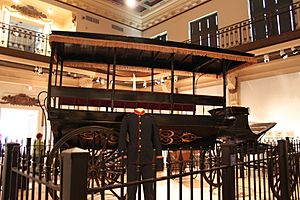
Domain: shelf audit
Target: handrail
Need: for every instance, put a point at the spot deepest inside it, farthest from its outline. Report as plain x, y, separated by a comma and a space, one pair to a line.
241, 33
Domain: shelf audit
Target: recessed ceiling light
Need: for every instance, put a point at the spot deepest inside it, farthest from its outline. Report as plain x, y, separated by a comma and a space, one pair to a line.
131, 3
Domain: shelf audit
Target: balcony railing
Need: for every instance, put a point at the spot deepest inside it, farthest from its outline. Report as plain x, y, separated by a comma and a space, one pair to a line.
23, 39
235, 35
258, 28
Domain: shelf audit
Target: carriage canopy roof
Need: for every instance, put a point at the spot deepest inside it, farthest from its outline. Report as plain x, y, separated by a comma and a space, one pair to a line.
143, 52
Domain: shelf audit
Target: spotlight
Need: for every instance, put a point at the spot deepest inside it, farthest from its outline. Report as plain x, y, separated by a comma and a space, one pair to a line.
266, 58
97, 80
145, 84
294, 50
36, 69
175, 78
156, 82
102, 81
283, 55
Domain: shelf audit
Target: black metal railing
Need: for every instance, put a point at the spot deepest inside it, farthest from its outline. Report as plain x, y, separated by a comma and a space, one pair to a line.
244, 32
15, 37
237, 34
246, 171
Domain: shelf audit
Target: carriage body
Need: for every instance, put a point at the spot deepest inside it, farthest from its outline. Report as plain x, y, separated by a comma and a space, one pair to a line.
89, 115
110, 74
177, 114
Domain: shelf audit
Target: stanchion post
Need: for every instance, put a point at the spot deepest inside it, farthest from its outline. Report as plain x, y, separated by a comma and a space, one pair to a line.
283, 169
75, 170
228, 175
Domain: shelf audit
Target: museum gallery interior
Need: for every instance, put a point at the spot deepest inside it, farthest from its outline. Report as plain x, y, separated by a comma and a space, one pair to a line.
150, 99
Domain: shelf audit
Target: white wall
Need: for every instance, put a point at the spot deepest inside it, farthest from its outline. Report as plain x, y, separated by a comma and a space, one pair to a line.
212, 90
274, 99
104, 26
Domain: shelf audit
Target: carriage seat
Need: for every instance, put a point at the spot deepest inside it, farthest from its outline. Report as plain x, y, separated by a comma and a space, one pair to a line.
125, 104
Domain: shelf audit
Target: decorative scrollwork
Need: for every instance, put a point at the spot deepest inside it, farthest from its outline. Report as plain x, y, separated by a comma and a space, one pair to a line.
113, 139
168, 137
29, 11
188, 137
20, 99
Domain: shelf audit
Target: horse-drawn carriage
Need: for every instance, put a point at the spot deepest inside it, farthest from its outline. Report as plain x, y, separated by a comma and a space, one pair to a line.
95, 79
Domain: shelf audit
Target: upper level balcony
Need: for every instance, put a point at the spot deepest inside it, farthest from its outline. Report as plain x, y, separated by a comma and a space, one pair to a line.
260, 31
23, 39
257, 32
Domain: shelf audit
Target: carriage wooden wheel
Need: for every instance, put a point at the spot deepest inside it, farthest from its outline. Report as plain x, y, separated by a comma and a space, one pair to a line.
100, 143
210, 158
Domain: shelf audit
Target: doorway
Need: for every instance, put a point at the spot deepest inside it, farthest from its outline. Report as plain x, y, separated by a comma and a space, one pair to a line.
18, 124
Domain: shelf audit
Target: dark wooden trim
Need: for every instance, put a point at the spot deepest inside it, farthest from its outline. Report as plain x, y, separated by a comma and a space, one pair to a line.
272, 40
17, 65
79, 116
24, 54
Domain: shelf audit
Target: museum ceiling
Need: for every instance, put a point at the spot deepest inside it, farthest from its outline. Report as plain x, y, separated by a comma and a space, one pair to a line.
145, 14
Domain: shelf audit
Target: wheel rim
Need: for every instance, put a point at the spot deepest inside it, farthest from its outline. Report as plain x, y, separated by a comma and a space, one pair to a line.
101, 143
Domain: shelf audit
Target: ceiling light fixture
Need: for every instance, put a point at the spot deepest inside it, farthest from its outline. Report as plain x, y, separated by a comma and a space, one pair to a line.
131, 3
175, 78
162, 81
294, 50
102, 81
283, 55
266, 58
156, 82
38, 70
145, 84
